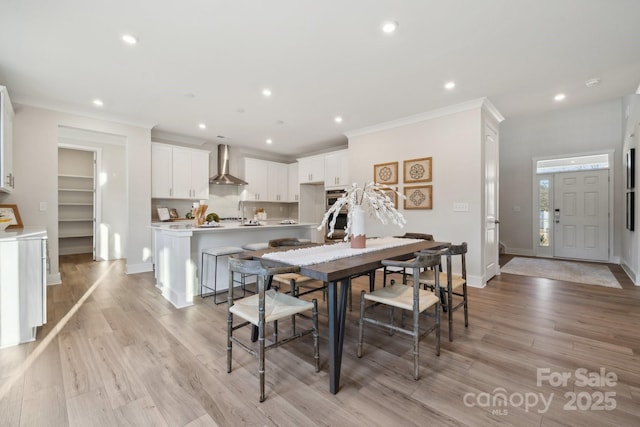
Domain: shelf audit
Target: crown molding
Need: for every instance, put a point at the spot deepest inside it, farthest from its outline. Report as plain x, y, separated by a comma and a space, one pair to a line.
168, 137
430, 115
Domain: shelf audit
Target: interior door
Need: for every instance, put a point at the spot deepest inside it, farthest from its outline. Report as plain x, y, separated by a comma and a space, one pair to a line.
581, 215
491, 249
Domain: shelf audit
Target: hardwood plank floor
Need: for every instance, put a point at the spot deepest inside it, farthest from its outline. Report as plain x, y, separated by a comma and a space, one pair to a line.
114, 352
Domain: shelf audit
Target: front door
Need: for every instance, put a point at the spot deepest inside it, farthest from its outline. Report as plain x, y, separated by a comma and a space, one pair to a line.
491, 158
581, 215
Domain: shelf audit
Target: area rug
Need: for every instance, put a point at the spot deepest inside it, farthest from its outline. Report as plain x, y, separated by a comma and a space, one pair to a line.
578, 272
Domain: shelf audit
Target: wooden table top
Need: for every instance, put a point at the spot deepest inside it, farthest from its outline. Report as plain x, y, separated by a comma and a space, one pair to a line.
335, 270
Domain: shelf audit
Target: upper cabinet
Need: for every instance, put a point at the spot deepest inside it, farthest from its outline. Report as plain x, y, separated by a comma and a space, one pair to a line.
311, 170
255, 173
294, 185
277, 178
179, 173
336, 169
267, 181
7, 179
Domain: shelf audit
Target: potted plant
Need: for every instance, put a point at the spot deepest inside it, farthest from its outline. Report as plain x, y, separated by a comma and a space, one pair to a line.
372, 199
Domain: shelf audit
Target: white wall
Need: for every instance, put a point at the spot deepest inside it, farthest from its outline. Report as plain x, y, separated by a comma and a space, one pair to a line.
454, 142
629, 256
559, 133
35, 168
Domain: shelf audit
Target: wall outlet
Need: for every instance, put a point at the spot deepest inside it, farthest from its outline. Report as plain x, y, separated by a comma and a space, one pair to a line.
461, 207
516, 208
43, 206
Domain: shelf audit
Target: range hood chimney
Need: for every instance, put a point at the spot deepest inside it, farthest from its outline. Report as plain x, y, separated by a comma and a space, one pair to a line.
223, 177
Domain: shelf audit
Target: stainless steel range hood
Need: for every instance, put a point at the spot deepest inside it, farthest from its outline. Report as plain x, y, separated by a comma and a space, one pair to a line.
224, 177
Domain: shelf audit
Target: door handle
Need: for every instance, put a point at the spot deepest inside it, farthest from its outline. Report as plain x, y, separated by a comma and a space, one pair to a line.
556, 215
496, 222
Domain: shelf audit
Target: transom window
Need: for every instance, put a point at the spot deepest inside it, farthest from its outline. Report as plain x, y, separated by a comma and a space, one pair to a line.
570, 164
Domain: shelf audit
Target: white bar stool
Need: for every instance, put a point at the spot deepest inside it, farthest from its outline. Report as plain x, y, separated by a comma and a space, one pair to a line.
215, 253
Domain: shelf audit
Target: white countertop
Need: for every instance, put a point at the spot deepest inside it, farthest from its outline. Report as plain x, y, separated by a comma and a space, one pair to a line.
22, 233
187, 226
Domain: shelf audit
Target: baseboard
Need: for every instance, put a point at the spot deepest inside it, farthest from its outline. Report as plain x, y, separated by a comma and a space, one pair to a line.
142, 267
632, 274
54, 279
476, 281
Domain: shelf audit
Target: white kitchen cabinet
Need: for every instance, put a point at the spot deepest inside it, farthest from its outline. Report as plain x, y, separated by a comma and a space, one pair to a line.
336, 169
311, 170
179, 173
256, 173
267, 181
294, 185
7, 179
23, 284
278, 182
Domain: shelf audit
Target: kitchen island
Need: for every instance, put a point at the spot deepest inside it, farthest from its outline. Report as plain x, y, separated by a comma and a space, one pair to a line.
177, 248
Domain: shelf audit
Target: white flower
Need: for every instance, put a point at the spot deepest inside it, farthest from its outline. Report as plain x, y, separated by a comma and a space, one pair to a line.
373, 198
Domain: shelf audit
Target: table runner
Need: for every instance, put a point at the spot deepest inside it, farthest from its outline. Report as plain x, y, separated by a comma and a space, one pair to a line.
324, 253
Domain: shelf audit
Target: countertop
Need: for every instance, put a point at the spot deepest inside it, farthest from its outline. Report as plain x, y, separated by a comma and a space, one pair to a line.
22, 233
187, 226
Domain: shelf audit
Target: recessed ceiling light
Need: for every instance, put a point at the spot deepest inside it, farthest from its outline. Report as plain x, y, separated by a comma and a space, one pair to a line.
389, 27
266, 92
449, 85
269, 141
98, 102
129, 39
202, 126
338, 119
592, 82
560, 97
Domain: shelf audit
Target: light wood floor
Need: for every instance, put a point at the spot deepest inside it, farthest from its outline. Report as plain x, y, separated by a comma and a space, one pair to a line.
125, 356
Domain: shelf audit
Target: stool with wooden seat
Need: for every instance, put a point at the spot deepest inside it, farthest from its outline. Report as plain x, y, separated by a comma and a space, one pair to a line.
410, 298
453, 284
264, 307
216, 253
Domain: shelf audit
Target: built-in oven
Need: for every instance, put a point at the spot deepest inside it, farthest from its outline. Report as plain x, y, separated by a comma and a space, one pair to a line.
332, 196
341, 220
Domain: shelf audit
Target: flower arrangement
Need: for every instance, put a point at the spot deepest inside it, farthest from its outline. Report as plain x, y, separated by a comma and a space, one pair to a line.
373, 198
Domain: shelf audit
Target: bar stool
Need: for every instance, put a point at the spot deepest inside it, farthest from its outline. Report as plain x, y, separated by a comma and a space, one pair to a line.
255, 246
216, 253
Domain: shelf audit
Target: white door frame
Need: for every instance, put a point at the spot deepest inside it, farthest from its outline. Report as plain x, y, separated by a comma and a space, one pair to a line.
97, 218
537, 251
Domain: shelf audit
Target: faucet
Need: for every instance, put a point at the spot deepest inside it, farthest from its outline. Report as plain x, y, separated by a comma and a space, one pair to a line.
241, 209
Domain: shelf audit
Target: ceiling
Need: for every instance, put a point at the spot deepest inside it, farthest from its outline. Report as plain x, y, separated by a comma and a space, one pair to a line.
207, 61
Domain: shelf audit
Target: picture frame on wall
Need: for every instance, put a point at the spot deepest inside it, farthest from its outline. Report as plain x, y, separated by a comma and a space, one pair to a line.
418, 170
386, 173
631, 168
11, 212
393, 195
418, 197
630, 210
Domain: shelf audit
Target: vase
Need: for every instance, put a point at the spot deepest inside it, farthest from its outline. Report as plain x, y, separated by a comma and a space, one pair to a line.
358, 236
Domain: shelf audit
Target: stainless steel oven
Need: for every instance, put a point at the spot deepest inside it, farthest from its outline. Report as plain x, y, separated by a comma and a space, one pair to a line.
332, 196
341, 220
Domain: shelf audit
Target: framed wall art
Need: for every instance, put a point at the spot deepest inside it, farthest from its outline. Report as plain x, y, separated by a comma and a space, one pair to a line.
386, 173
391, 192
417, 170
11, 212
418, 197
631, 168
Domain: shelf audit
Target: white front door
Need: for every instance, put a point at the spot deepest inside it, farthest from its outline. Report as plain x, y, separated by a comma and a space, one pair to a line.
581, 215
491, 158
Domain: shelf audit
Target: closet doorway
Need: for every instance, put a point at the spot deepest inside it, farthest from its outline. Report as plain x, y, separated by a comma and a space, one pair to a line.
77, 200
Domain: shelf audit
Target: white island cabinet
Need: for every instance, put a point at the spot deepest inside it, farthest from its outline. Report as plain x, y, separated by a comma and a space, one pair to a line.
23, 284
177, 249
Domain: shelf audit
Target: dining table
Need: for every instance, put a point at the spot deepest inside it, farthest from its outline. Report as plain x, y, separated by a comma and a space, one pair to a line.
336, 274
